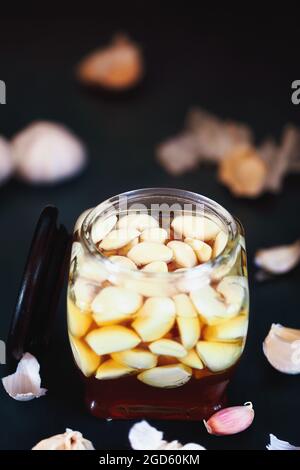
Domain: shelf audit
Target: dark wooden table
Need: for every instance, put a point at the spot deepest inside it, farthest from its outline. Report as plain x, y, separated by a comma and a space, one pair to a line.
237, 67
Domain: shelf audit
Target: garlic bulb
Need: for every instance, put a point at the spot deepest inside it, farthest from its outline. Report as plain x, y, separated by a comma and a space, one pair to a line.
6, 161
25, 383
116, 67
46, 152
70, 440
277, 444
142, 436
282, 349
279, 259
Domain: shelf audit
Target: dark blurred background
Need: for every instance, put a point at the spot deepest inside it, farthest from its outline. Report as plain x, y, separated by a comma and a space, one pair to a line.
237, 65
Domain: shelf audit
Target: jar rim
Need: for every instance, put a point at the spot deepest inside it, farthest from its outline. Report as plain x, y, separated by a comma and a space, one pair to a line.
135, 195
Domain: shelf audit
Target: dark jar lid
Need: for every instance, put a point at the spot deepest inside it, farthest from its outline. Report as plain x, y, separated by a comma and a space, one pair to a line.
40, 289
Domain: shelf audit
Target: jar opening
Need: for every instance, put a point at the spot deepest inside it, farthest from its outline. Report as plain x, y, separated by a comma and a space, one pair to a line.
164, 204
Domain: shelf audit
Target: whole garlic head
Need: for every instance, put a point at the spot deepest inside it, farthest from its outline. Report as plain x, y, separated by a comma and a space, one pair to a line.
282, 349
6, 161
70, 440
46, 152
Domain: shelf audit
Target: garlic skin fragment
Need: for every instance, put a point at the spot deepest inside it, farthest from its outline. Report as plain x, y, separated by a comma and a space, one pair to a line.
142, 436
230, 420
282, 349
6, 161
25, 383
70, 440
46, 152
277, 444
279, 259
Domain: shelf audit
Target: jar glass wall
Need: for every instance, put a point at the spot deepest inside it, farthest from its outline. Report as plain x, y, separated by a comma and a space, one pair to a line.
157, 304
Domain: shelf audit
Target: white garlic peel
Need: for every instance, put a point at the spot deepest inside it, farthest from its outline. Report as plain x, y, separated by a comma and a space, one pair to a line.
282, 349
142, 436
6, 161
70, 440
46, 152
277, 444
25, 383
279, 259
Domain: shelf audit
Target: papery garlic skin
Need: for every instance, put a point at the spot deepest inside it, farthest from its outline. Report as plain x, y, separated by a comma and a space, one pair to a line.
282, 349
142, 436
25, 383
230, 420
6, 161
278, 259
46, 152
70, 440
277, 444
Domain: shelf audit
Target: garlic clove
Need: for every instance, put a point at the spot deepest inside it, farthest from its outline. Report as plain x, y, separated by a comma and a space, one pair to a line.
171, 376
230, 420
230, 330
46, 152
78, 321
86, 359
189, 330
192, 360
70, 440
114, 338
6, 160
282, 349
167, 347
102, 227
218, 356
112, 370
142, 436
25, 383
277, 444
279, 259
135, 358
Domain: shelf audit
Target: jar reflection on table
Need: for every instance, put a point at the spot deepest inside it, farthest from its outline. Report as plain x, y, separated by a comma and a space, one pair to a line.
154, 333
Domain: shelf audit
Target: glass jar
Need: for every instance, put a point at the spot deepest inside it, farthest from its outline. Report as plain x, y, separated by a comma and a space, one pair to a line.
162, 342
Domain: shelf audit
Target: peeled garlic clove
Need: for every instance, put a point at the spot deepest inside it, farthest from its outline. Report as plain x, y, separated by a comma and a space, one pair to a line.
78, 320
86, 359
156, 234
135, 358
147, 252
218, 356
123, 261
230, 330
277, 444
112, 370
92, 270
230, 420
118, 238
117, 66
117, 300
280, 259
46, 152
155, 318
102, 227
70, 440
190, 226
202, 249
166, 376
184, 306
156, 267
189, 330
84, 292
282, 349
183, 254
109, 339
167, 347
138, 222
192, 360
25, 383
232, 289
6, 160
219, 243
